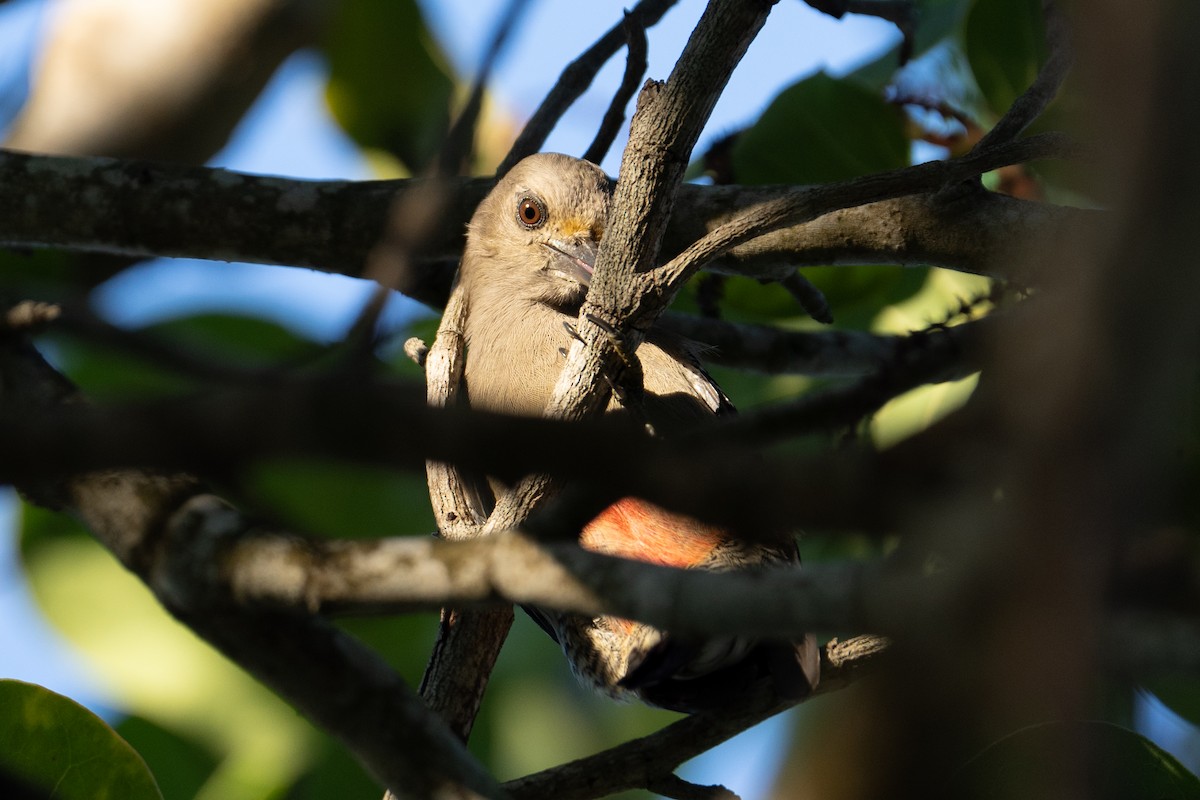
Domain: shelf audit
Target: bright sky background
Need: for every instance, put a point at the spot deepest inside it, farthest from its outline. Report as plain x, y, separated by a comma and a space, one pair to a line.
289, 132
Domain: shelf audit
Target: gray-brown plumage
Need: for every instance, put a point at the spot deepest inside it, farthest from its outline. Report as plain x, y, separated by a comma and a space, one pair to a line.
525, 271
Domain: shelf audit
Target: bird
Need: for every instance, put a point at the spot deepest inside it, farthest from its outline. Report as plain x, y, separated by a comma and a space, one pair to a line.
526, 269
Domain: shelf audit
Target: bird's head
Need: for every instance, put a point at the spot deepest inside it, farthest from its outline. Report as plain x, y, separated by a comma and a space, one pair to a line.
535, 235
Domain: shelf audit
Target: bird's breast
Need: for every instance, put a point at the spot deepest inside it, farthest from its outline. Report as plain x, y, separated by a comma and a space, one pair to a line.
514, 357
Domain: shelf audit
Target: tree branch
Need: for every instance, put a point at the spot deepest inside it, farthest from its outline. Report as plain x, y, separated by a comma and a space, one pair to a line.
406, 574
1039, 94
166, 530
469, 640
146, 90
637, 763
143, 210
776, 351
808, 204
575, 80
635, 68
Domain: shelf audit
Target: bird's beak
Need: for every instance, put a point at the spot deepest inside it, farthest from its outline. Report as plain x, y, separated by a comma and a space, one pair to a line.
573, 260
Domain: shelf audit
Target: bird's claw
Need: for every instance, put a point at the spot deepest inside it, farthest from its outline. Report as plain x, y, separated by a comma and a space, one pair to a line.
573, 332
629, 387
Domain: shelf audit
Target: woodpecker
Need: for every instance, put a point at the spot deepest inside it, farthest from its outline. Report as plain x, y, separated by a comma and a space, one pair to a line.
530, 249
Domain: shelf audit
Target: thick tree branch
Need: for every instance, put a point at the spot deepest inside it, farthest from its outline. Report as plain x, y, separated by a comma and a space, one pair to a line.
143, 210
408, 574
215, 432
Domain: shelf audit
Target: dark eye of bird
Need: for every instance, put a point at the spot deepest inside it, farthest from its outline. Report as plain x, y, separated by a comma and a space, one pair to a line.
530, 212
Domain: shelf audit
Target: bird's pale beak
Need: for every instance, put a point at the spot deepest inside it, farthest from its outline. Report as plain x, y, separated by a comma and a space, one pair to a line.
574, 259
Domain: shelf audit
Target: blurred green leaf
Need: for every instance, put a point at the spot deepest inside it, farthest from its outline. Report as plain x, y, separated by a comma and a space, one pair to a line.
819, 130
914, 411
55, 743
1006, 44
1122, 765
936, 21
857, 293
180, 765
104, 373
1181, 694
341, 500
237, 340
335, 773
39, 274
156, 668
389, 84
106, 370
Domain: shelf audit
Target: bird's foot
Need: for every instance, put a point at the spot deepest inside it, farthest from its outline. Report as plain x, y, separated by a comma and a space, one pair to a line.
628, 386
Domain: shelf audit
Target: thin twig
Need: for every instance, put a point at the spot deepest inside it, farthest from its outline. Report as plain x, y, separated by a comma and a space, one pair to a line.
810, 203
412, 219
635, 68
1034, 100
934, 356
460, 139
634, 764
810, 298
776, 351
575, 80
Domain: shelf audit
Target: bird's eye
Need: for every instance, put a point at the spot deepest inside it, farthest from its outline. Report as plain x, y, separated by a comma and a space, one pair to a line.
530, 212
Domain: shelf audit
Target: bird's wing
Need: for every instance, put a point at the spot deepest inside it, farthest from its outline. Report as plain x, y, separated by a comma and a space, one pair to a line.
679, 394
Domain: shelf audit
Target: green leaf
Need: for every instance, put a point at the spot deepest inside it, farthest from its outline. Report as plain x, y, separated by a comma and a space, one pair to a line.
389, 86
820, 130
241, 341
341, 500
1179, 693
154, 667
104, 373
936, 20
180, 765
39, 274
55, 743
105, 370
1121, 765
1006, 45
